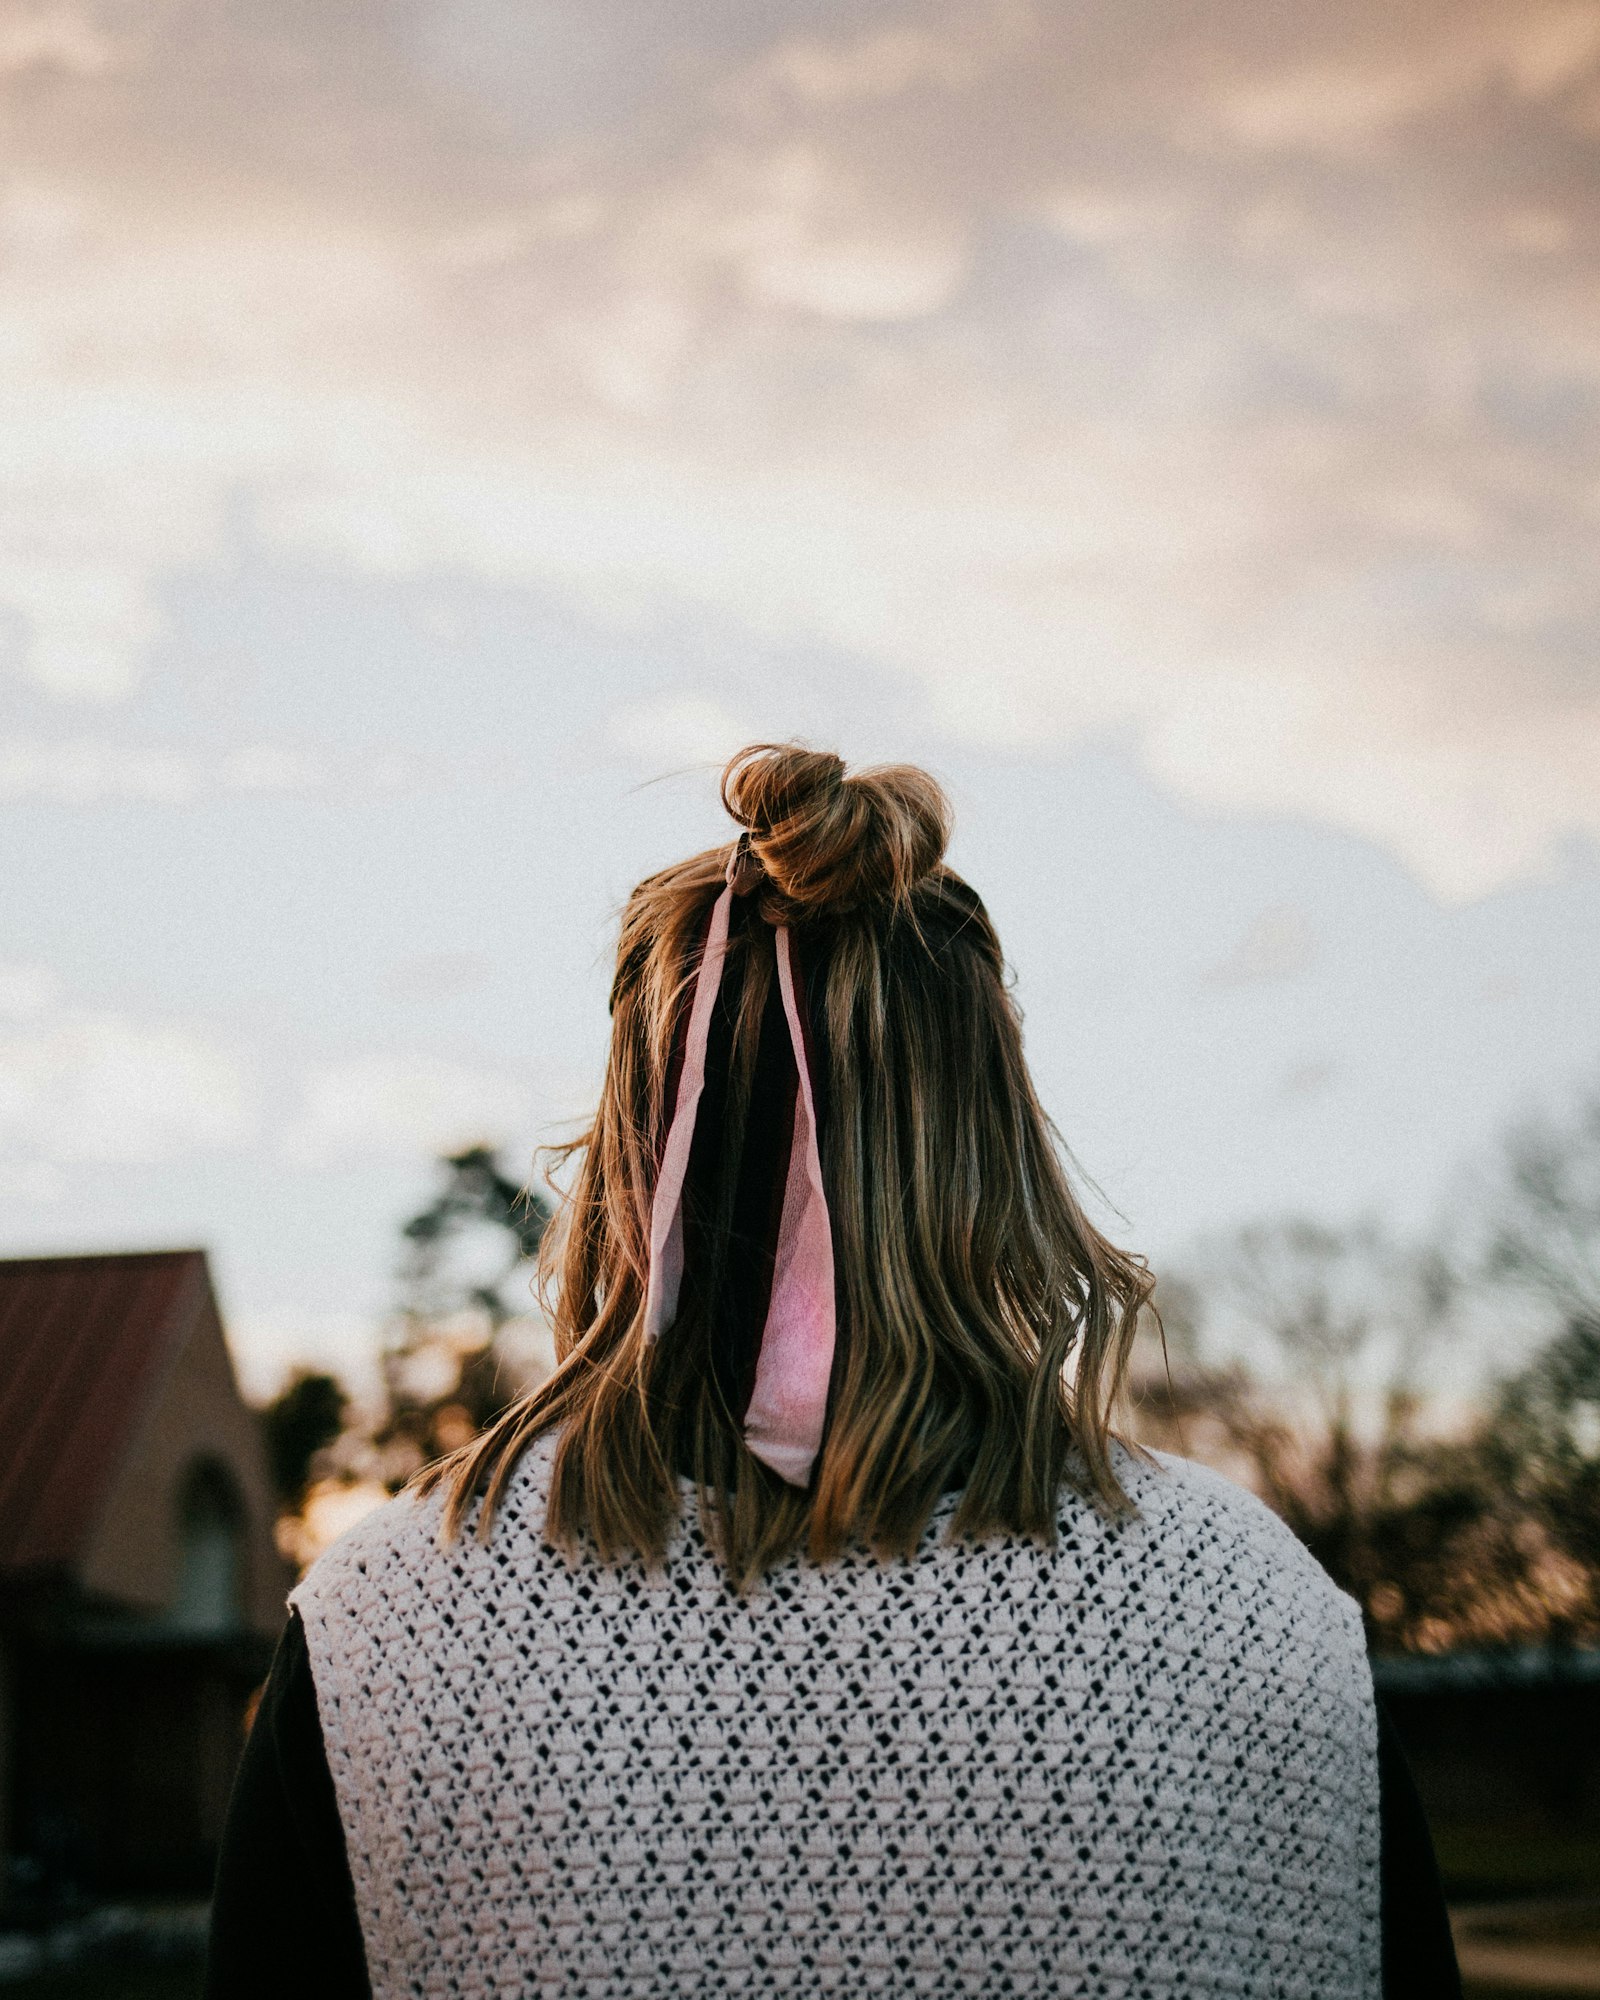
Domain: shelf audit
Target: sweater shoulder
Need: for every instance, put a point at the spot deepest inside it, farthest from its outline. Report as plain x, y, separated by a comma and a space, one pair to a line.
403, 1539
1232, 1531
400, 1531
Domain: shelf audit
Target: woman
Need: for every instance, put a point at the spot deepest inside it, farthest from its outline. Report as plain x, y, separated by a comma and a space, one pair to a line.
810, 1631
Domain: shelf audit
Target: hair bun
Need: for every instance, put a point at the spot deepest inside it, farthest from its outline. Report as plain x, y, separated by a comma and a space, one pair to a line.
829, 840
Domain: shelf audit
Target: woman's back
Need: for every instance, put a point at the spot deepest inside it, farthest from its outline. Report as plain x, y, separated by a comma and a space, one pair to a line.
810, 1630
1140, 1762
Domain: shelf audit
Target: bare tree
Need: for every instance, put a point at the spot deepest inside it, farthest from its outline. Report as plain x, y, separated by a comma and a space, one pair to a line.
447, 1368
1544, 1232
1298, 1366
302, 1420
1543, 1440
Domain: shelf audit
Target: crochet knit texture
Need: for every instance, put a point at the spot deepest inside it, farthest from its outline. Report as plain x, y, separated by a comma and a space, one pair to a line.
1140, 1763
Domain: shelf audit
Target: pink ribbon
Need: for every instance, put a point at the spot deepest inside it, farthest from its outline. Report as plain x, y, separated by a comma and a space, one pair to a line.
789, 1402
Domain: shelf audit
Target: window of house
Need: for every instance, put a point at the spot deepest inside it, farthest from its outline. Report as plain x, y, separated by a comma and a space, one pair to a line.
211, 1569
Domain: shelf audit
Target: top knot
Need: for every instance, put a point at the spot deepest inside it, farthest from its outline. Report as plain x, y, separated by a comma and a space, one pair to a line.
830, 841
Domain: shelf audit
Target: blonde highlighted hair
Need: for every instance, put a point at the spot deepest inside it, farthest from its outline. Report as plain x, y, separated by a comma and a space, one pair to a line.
984, 1323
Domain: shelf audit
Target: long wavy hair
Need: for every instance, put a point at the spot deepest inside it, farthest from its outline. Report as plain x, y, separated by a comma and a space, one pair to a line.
984, 1323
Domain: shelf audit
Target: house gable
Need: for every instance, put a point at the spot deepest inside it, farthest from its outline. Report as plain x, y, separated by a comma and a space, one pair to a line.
133, 1470
196, 1439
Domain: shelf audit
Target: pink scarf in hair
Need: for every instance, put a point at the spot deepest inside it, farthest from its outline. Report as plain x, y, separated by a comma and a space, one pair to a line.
783, 1425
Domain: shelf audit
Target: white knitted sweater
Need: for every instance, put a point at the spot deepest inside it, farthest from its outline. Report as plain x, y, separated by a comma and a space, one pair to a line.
1142, 1763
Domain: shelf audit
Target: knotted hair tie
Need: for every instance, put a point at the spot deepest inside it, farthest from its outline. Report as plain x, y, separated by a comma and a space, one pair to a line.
789, 1400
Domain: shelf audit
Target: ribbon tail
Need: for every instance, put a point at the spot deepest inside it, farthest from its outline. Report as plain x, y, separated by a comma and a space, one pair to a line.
666, 1207
789, 1403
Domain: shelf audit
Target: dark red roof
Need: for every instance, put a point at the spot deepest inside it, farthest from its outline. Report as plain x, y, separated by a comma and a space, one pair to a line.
82, 1346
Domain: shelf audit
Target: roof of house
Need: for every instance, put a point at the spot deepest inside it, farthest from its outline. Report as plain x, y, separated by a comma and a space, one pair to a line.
83, 1343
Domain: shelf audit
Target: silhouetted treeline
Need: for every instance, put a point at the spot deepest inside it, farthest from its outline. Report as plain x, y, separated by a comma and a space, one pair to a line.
1425, 1417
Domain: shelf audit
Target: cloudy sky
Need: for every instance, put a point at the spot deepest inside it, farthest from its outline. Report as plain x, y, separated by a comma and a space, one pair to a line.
432, 434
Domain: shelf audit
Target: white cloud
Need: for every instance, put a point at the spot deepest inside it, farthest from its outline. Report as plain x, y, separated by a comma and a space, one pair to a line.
81, 770
1279, 945
1304, 1081
104, 1089
268, 1345
678, 730
439, 975
44, 37
882, 63
385, 1105
1231, 423
37, 1182
26, 989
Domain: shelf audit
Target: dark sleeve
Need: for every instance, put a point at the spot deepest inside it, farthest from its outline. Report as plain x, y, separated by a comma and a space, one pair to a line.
283, 1920
1419, 1954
